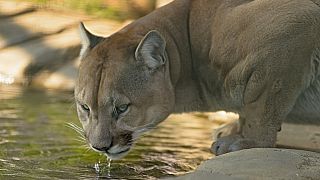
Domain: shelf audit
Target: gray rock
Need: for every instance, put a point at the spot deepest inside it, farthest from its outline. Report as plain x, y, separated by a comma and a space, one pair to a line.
260, 163
202, 175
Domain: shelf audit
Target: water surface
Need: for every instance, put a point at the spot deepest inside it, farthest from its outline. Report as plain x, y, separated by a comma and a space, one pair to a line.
35, 142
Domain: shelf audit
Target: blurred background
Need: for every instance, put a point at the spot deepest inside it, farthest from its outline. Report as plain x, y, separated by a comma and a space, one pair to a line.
39, 42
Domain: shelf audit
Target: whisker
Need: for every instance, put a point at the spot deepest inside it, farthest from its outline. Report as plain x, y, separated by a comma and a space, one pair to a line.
85, 146
82, 139
81, 134
87, 149
79, 140
76, 128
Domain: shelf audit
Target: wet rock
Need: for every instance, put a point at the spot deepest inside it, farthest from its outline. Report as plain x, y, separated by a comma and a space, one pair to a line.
260, 163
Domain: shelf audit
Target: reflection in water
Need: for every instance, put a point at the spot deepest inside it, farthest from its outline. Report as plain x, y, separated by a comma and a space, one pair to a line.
6, 79
97, 168
109, 167
35, 142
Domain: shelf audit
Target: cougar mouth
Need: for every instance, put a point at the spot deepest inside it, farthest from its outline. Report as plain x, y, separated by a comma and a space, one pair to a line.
117, 152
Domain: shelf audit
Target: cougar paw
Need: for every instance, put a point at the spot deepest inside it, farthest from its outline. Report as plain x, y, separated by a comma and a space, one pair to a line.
231, 143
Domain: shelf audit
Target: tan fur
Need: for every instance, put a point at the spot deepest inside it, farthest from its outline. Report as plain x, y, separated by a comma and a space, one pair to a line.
259, 58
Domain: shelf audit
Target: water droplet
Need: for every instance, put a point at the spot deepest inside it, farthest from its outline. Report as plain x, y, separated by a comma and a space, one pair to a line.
109, 167
97, 168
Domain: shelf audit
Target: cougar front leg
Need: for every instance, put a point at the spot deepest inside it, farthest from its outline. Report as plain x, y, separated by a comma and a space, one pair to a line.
266, 104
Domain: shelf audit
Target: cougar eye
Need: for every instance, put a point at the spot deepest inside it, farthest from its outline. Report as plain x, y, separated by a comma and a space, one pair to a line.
122, 108
85, 107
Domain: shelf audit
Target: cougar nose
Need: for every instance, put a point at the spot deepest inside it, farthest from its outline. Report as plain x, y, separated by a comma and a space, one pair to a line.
104, 149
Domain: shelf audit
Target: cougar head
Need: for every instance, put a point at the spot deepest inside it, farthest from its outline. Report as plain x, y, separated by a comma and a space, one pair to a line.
123, 88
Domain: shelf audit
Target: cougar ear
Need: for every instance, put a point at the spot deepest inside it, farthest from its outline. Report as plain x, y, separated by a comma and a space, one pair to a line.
88, 40
151, 50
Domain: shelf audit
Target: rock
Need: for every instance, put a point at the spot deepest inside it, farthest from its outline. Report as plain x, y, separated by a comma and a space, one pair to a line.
32, 25
62, 79
203, 175
260, 163
28, 59
40, 48
13, 8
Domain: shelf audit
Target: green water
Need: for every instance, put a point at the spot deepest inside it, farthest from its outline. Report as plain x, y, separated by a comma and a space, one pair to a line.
35, 142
